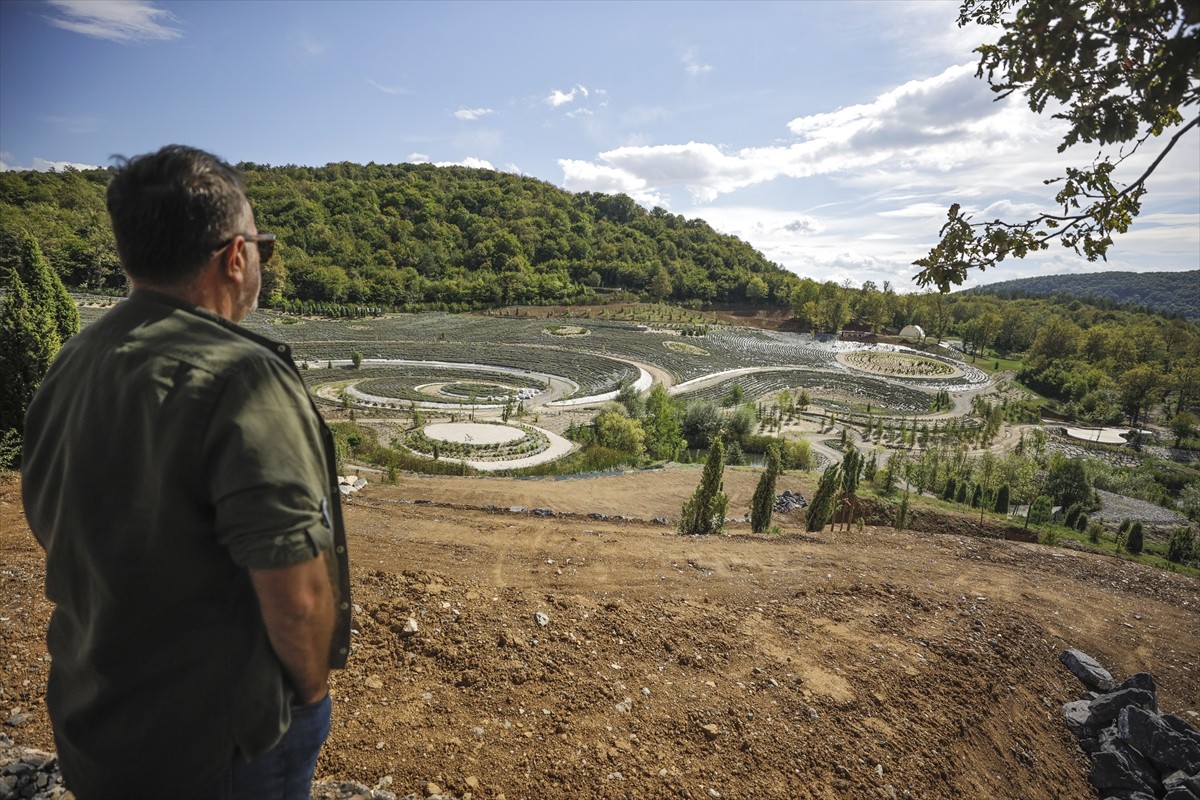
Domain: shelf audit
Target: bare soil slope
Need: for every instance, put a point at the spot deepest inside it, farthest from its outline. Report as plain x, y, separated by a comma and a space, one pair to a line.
870, 664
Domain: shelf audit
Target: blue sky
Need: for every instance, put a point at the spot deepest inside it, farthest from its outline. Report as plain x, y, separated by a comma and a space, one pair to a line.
832, 136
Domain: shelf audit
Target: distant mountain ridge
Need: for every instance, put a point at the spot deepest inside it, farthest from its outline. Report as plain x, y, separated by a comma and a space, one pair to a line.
1162, 292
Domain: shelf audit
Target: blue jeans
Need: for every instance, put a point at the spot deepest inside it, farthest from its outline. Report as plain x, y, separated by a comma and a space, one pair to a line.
284, 772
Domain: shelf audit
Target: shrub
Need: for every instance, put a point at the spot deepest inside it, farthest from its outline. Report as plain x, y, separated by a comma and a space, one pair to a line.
1039, 512
1135, 543
1182, 546
1081, 523
870, 468
1002, 499
961, 495
1093, 531
796, 454
1072, 515
949, 489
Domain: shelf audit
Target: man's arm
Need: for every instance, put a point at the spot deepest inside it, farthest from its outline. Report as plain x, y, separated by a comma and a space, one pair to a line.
297, 609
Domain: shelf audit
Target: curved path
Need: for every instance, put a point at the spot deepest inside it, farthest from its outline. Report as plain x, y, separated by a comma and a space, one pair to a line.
648, 374
460, 431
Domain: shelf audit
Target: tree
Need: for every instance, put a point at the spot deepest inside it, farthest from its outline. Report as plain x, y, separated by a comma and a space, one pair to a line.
1183, 425
852, 463
820, 510
1189, 501
1136, 541
45, 287
1138, 386
763, 503
1002, 499
1067, 481
1181, 547
664, 435
356, 359
1121, 73
619, 432
701, 423
29, 340
704, 513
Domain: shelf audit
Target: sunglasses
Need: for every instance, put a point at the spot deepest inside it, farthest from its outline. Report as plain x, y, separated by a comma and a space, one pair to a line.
265, 242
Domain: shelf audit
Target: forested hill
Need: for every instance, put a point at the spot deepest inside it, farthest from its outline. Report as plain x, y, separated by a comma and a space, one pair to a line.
416, 234
1169, 293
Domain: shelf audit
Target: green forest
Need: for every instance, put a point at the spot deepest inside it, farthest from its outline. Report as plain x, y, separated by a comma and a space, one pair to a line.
1171, 293
415, 236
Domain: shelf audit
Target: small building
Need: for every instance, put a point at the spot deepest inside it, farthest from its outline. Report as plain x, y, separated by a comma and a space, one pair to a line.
913, 333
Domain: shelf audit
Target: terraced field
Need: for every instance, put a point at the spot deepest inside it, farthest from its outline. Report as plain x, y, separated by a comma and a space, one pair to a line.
598, 357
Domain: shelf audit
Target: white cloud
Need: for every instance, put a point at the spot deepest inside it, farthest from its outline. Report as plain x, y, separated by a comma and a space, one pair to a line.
389, 89
583, 176
121, 21
580, 112
921, 127
40, 165
558, 97
472, 114
803, 225
418, 158
693, 64
469, 161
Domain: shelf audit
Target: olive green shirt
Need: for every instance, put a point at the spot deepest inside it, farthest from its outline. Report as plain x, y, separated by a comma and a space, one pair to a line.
166, 453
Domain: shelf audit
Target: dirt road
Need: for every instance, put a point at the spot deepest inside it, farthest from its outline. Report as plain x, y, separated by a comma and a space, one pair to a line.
571, 657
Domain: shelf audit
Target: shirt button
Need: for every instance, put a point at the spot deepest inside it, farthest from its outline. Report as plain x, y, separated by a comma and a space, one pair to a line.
345, 606
343, 650
340, 549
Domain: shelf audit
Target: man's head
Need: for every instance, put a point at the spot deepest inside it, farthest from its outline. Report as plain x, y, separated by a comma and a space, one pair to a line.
174, 212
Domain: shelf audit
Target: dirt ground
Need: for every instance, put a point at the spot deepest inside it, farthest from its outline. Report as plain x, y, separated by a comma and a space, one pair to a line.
571, 657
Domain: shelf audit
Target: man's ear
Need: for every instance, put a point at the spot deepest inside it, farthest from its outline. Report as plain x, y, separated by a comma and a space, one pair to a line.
233, 260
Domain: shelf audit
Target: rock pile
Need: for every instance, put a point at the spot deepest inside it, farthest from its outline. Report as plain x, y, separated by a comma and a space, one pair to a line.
1138, 753
28, 773
349, 484
790, 501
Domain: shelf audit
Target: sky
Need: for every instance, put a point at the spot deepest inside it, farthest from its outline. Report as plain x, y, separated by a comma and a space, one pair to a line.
832, 136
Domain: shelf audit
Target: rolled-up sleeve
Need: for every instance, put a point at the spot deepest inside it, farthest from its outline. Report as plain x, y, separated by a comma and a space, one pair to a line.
266, 470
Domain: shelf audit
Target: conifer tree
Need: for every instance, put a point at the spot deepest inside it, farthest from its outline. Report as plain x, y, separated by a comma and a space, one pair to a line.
1134, 545
851, 470
704, 513
28, 343
45, 287
1002, 499
820, 510
763, 504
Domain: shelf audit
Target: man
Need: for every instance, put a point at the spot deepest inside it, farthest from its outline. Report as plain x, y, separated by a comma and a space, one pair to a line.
182, 484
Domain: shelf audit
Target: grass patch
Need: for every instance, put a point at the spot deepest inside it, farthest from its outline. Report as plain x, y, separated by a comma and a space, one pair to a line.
684, 347
589, 458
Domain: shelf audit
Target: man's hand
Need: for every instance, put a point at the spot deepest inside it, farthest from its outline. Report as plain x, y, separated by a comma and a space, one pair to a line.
297, 609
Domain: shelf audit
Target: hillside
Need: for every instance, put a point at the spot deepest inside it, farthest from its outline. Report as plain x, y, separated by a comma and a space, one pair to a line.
1170, 293
857, 665
415, 234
